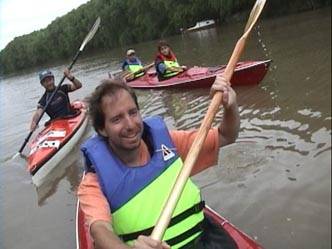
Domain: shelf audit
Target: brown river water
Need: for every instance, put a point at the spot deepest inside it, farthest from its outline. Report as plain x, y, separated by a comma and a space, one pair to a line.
274, 183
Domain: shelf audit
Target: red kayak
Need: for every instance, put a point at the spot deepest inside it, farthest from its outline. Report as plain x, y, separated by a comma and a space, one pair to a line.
216, 225
55, 141
246, 73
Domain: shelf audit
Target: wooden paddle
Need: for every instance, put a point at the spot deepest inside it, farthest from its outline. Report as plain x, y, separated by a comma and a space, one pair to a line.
89, 36
129, 75
166, 215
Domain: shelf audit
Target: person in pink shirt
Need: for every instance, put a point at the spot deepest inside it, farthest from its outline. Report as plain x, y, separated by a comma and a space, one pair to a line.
132, 158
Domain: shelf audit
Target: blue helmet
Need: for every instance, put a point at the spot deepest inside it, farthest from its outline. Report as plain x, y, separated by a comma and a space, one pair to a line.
45, 73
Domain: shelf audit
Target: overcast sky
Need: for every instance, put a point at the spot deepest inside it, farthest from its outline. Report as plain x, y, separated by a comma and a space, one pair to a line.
19, 17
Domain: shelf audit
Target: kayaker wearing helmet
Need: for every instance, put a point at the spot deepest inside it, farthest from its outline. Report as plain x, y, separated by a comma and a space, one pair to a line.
166, 63
132, 65
131, 164
60, 104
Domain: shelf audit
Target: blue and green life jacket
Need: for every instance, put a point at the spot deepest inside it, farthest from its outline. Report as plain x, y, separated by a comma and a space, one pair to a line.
137, 195
135, 66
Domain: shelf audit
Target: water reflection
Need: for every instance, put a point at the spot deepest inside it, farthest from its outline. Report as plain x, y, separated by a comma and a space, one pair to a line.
264, 138
71, 169
202, 37
241, 160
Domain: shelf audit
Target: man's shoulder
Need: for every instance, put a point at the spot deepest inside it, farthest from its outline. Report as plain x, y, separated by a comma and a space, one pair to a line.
177, 134
175, 131
42, 100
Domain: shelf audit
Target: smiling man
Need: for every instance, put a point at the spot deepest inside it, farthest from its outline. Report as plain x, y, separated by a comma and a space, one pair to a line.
60, 103
131, 164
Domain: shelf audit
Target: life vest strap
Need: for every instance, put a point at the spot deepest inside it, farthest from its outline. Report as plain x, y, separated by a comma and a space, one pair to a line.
180, 217
187, 234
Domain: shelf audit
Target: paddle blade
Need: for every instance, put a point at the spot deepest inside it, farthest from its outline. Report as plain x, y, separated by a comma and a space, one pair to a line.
91, 33
20, 155
16, 155
254, 14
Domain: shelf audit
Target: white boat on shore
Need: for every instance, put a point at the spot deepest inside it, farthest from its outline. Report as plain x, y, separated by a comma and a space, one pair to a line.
206, 24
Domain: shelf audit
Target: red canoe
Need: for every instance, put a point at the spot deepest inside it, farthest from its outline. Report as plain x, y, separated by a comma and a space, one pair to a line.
54, 142
238, 239
246, 73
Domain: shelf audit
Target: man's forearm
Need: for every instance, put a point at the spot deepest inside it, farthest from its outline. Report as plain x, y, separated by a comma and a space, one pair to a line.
77, 84
104, 237
35, 118
229, 128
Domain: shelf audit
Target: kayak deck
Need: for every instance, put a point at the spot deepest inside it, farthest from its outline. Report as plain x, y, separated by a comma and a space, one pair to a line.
54, 142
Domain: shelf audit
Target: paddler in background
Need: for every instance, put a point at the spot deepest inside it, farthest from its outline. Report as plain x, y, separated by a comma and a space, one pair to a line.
166, 62
60, 103
131, 164
132, 66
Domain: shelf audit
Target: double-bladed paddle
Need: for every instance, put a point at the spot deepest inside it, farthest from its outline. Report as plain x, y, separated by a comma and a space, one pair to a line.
166, 215
89, 36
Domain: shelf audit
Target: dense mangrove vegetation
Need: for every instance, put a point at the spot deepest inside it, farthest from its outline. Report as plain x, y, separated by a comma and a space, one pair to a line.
128, 22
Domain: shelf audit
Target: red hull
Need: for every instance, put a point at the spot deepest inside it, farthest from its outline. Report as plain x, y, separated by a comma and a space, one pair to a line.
246, 73
53, 137
243, 241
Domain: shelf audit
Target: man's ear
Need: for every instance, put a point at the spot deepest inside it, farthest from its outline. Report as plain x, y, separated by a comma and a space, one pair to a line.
102, 132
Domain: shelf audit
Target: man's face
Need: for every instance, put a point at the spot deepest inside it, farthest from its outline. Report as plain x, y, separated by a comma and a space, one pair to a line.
132, 57
48, 83
123, 122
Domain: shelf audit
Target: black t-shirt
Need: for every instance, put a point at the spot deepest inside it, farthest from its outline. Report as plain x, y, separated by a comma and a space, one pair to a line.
60, 104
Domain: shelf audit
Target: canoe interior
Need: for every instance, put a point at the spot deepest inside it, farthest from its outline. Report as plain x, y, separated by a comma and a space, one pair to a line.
220, 230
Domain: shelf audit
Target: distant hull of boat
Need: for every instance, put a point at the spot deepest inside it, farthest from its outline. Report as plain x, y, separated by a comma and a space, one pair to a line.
246, 73
202, 25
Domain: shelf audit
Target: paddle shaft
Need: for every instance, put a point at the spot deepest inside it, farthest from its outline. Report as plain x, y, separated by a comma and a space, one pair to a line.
166, 215
193, 153
89, 36
141, 70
